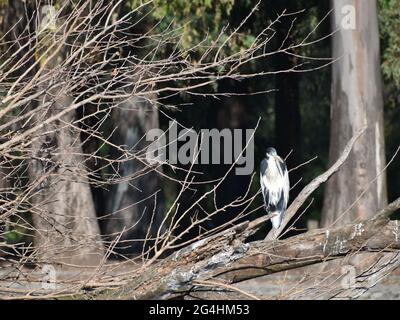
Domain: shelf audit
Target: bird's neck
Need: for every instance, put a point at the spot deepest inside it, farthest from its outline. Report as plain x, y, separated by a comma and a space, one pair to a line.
273, 169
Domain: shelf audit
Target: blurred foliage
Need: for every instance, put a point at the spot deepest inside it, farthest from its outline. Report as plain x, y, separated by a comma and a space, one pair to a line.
194, 21
389, 23
14, 236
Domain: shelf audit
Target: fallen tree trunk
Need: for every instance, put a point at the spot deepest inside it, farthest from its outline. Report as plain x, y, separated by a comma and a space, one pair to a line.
227, 259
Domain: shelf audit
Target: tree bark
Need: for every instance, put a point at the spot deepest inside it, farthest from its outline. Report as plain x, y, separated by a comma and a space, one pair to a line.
66, 227
135, 205
356, 102
64, 217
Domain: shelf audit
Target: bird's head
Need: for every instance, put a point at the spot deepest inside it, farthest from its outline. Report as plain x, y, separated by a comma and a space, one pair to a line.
271, 152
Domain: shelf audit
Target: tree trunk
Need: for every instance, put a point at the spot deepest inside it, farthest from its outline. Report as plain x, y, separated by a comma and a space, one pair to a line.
356, 103
135, 204
64, 215
65, 221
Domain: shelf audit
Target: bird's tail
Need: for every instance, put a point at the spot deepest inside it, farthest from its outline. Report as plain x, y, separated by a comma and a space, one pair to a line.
276, 219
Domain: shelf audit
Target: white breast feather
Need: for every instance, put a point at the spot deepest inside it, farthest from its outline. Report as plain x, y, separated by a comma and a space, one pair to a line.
274, 182
277, 186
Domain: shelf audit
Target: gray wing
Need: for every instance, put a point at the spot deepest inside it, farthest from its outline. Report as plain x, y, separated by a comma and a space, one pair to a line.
264, 190
286, 186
